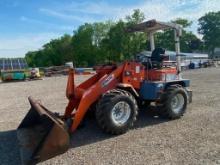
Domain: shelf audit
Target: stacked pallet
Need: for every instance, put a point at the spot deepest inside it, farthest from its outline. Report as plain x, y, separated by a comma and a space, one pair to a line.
56, 70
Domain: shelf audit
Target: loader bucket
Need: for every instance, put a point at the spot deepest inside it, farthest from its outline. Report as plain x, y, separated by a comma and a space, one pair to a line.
41, 135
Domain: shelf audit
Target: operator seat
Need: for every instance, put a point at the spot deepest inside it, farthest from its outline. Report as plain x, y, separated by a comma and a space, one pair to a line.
157, 57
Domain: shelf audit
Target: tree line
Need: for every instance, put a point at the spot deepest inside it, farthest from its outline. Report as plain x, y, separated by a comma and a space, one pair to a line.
103, 42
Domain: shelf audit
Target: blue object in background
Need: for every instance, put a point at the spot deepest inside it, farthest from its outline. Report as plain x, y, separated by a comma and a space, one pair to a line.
80, 70
13, 75
194, 65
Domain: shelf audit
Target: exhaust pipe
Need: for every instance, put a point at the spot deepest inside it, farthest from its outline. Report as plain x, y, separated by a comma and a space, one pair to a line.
41, 135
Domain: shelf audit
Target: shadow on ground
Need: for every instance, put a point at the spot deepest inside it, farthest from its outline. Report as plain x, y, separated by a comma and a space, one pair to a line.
89, 133
12, 81
9, 150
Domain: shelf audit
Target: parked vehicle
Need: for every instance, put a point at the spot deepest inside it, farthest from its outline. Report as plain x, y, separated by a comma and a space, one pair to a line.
113, 94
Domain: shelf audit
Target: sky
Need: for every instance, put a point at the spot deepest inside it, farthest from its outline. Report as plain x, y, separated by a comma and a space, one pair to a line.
26, 25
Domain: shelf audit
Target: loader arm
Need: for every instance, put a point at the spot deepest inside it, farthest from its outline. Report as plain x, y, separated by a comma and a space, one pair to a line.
83, 96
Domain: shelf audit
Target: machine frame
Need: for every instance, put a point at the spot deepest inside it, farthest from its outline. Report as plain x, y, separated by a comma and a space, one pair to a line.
114, 92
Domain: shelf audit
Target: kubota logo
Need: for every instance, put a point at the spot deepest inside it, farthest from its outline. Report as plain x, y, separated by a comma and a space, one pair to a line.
107, 80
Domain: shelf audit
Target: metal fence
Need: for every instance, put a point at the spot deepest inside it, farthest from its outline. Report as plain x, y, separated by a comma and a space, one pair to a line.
13, 63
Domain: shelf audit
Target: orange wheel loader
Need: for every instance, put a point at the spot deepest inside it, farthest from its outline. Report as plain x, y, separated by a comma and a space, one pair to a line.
114, 91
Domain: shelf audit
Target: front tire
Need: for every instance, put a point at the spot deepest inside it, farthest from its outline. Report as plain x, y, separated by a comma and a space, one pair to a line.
173, 103
116, 111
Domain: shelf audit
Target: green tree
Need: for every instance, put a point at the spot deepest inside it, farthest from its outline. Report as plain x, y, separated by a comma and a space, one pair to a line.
56, 52
122, 45
98, 43
29, 56
115, 41
188, 41
209, 27
86, 43
135, 18
137, 40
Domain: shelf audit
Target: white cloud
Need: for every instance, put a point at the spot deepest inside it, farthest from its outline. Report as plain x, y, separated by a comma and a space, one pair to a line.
18, 46
80, 12
164, 10
159, 9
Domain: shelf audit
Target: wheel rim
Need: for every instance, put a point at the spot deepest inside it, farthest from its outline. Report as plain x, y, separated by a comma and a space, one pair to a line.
177, 103
121, 112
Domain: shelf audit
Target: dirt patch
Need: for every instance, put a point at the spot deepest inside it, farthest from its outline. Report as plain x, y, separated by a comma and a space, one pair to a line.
194, 139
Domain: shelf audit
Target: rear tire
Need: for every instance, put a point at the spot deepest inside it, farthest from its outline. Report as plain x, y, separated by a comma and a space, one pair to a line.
173, 103
116, 111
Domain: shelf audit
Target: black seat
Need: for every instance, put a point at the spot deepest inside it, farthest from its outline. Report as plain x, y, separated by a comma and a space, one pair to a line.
153, 61
157, 57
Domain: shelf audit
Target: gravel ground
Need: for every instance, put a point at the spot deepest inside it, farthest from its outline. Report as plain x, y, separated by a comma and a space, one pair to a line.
193, 139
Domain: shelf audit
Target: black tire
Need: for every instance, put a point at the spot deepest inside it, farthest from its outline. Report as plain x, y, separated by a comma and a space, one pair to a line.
105, 107
165, 105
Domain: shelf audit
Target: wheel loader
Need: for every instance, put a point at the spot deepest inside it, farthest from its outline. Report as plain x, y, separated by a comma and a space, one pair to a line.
116, 92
